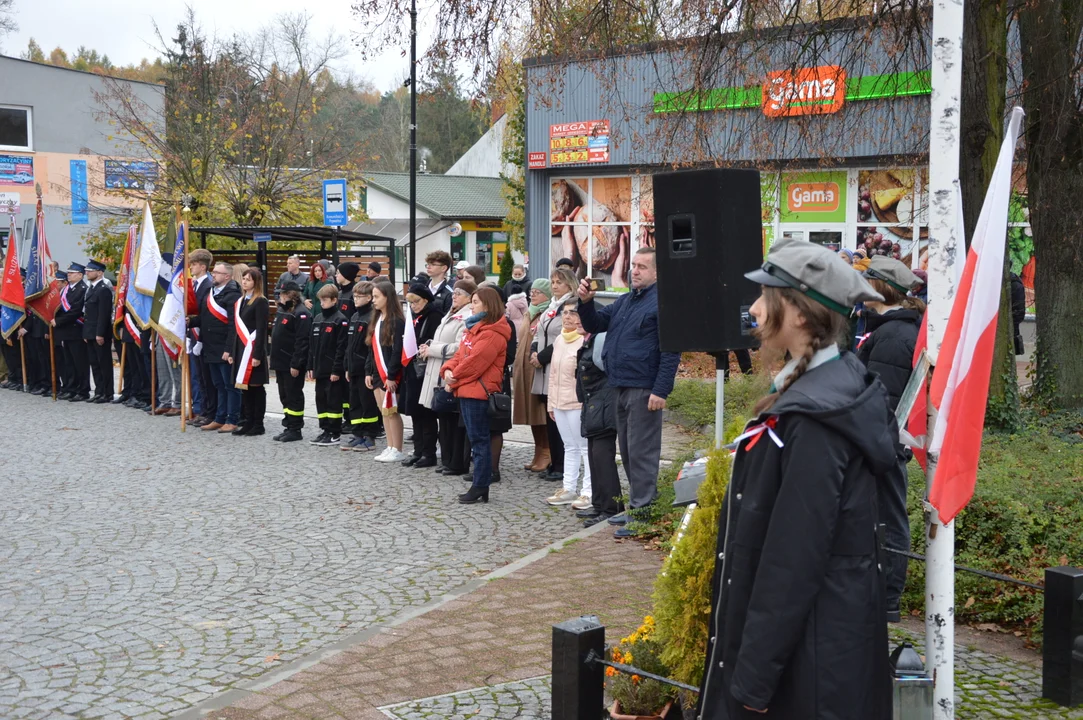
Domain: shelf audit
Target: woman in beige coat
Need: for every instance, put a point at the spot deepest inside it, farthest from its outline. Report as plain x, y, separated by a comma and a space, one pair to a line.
541, 349
454, 450
528, 408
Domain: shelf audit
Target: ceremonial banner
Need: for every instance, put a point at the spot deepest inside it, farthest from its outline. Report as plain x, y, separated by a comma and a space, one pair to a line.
172, 316
12, 299
146, 264
41, 287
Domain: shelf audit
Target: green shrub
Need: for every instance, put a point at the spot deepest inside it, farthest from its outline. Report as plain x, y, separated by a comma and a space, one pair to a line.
682, 591
1025, 516
692, 401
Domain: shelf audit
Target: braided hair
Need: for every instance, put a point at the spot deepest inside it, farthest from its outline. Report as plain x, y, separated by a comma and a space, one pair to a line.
824, 326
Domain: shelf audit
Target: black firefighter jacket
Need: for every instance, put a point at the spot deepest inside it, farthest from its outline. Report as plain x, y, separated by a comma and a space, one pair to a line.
69, 323
327, 345
888, 350
290, 338
797, 622
98, 312
357, 348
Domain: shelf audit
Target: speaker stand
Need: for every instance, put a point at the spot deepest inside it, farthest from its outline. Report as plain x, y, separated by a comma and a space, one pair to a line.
721, 364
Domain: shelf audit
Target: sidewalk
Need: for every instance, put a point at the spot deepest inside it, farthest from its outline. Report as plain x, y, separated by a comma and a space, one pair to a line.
499, 633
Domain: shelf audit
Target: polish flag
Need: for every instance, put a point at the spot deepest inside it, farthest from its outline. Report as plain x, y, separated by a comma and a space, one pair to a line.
917, 424
960, 387
409, 339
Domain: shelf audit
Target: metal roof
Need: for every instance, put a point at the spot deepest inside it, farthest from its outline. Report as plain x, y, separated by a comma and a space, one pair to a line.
447, 197
308, 233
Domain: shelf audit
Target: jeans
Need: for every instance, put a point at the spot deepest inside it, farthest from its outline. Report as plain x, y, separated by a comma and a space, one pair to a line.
640, 429
229, 397
575, 450
195, 384
476, 417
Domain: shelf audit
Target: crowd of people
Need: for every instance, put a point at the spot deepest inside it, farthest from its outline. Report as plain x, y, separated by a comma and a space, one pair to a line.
529, 353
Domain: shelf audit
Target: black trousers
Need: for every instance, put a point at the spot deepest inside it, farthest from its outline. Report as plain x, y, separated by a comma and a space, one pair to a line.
208, 401
329, 399
454, 448
605, 482
254, 404
13, 359
37, 363
744, 361
364, 413
291, 393
75, 354
101, 365
136, 379
425, 431
65, 373
556, 445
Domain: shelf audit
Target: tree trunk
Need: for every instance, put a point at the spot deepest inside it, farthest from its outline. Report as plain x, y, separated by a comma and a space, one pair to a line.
1051, 32
985, 67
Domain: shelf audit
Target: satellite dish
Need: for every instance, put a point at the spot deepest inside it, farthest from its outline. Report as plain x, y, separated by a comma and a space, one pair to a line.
455, 230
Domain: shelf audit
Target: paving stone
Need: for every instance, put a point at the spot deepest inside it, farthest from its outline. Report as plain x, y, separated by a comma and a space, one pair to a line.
138, 559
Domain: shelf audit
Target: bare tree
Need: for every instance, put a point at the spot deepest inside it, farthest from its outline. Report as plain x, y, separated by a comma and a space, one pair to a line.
7, 22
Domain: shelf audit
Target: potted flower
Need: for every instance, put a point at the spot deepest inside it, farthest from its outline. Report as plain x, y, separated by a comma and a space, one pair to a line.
636, 697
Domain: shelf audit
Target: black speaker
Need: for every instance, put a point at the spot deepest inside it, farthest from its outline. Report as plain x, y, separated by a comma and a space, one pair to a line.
708, 234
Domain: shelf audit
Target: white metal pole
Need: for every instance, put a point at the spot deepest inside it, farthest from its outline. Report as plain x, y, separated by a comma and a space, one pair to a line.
945, 250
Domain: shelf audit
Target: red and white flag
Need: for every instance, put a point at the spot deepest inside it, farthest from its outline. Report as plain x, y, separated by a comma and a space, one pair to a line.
409, 339
960, 387
917, 422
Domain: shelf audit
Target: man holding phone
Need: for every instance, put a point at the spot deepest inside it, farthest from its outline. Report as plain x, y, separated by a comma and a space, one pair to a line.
641, 372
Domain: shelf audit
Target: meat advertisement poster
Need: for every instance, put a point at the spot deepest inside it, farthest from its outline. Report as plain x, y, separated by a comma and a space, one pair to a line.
579, 142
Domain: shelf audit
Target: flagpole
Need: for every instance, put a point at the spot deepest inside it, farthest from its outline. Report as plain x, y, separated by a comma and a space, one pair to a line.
123, 353
22, 359
944, 252
52, 361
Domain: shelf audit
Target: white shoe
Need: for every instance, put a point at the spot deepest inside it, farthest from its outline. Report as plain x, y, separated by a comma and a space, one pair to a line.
390, 455
379, 456
563, 497
582, 503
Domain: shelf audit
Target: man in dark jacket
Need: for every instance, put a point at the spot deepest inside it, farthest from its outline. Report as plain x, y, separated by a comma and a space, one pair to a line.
201, 261
641, 372
68, 322
364, 414
97, 331
216, 332
289, 358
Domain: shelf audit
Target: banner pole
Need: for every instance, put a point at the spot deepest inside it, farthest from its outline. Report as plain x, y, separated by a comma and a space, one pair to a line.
52, 361
22, 359
153, 374
123, 355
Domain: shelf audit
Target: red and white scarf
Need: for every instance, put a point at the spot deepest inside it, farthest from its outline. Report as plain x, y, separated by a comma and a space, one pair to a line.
248, 338
390, 400
754, 433
217, 310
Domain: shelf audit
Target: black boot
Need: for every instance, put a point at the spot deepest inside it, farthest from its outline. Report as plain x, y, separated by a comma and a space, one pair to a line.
473, 495
259, 410
247, 397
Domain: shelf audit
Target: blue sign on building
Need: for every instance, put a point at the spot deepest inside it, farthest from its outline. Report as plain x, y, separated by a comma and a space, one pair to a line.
334, 203
261, 237
80, 214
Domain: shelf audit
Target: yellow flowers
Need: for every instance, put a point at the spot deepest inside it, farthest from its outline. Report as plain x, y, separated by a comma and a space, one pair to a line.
636, 693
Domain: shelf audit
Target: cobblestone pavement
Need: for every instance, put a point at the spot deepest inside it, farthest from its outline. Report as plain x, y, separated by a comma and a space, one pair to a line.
498, 634
989, 686
145, 570
509, 701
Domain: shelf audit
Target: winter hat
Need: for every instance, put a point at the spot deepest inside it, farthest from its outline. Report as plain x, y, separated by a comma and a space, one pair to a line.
349, 270
543, 285
421, 290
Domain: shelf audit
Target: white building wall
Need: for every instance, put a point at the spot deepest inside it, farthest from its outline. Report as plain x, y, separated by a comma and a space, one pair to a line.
483, 158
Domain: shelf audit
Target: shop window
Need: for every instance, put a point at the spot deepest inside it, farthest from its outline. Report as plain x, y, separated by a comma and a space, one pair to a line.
893, 213
598, 223
16, 128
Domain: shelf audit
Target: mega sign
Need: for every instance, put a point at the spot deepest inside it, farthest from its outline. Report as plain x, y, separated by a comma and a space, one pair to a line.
808, 91
578, 142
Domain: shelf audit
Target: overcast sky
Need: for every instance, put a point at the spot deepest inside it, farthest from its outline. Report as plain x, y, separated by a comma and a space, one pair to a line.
124, 29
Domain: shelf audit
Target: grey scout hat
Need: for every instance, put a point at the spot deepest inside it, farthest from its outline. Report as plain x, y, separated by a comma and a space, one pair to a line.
893, 272
817, 272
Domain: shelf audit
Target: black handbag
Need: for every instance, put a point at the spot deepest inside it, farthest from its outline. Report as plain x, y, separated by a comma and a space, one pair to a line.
499, 406
443, 401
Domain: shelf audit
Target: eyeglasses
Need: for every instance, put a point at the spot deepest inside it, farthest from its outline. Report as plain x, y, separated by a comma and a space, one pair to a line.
220, 272
461, 293
435, 264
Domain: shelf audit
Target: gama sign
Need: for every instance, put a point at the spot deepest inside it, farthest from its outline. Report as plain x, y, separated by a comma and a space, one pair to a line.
806, 91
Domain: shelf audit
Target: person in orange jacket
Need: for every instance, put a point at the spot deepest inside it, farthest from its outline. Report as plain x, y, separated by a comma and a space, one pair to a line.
475, 372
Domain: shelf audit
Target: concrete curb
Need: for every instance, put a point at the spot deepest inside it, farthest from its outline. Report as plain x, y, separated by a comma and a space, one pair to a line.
290, 669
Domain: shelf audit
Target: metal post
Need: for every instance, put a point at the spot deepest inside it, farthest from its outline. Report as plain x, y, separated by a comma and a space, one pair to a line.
1062, 636
334, 246
413, 139
578, 687
943, 254
721, 362
203, 240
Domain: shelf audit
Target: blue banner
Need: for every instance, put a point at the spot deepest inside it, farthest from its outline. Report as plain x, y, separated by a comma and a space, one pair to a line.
79, 200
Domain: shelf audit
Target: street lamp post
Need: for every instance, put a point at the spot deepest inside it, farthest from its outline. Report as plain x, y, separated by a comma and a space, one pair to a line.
413, 139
